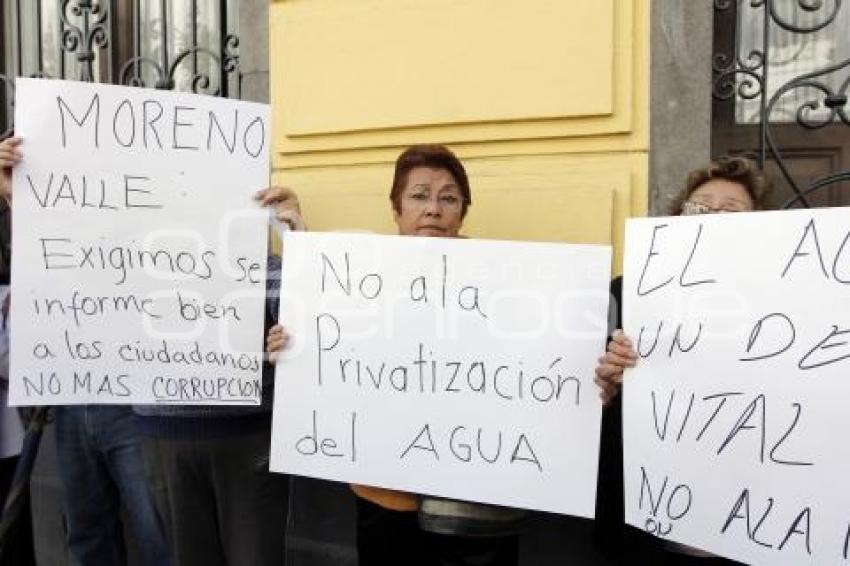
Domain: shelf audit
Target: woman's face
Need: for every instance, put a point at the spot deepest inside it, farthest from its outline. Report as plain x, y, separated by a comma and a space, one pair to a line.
719, 195
431, 204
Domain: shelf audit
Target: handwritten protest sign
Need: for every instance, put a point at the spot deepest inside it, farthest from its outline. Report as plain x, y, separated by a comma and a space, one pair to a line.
139, 255
443, 366
734, 415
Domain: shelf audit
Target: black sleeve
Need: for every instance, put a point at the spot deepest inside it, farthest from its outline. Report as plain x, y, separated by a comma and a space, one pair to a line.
617, 301
5, 243
609, 527
621, 544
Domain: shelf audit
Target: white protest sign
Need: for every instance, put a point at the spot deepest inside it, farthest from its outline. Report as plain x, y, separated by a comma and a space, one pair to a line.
450, 367
733, 416
139, 254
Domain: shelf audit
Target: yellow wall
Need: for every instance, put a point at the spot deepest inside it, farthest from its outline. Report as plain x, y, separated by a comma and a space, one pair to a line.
546, 102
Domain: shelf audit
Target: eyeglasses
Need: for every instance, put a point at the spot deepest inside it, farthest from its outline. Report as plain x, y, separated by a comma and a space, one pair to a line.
695, 207
448, 201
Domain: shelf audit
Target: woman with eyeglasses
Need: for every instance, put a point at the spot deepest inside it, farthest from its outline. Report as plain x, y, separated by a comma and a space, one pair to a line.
728, 184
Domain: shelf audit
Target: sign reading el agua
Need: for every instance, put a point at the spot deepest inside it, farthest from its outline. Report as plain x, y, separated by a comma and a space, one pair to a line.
735, 414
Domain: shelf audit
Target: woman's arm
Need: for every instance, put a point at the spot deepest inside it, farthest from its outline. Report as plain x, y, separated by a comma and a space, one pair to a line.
10, 156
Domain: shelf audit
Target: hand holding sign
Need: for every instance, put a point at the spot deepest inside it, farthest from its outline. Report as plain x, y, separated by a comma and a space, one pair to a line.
10, 156
619, 355
284, 204
276, 341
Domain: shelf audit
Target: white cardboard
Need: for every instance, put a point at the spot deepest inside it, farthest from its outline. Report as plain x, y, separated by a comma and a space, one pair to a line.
536, 308
736, 445
110, 168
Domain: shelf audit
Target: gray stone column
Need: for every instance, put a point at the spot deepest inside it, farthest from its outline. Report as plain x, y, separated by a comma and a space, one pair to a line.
680, 95
254, 49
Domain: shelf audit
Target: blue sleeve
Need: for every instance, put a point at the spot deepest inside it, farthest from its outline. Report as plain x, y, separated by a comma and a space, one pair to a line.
273, 266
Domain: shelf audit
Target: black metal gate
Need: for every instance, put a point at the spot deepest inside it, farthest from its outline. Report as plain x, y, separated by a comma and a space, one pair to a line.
781, 79
166, 44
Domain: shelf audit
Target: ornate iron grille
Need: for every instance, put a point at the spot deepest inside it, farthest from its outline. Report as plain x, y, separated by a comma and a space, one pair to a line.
166, 44
783, 64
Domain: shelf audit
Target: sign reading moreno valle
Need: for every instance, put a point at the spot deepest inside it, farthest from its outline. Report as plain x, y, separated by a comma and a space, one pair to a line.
451, 367
735, 414
139, 255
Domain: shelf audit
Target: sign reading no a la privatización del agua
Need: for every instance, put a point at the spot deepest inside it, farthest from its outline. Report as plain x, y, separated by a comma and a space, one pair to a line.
453, 367
735, 418
139, 255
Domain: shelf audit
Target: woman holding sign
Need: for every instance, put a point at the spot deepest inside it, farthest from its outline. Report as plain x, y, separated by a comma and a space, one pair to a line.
730, 184
430, 196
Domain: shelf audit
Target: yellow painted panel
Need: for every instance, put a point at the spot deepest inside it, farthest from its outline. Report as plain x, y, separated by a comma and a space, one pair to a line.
616, 31
379, 64
344, 198
577, 199
539, 198
574, 178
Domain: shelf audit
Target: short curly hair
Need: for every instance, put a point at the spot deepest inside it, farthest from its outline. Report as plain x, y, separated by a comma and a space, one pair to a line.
433, 156
732, 168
